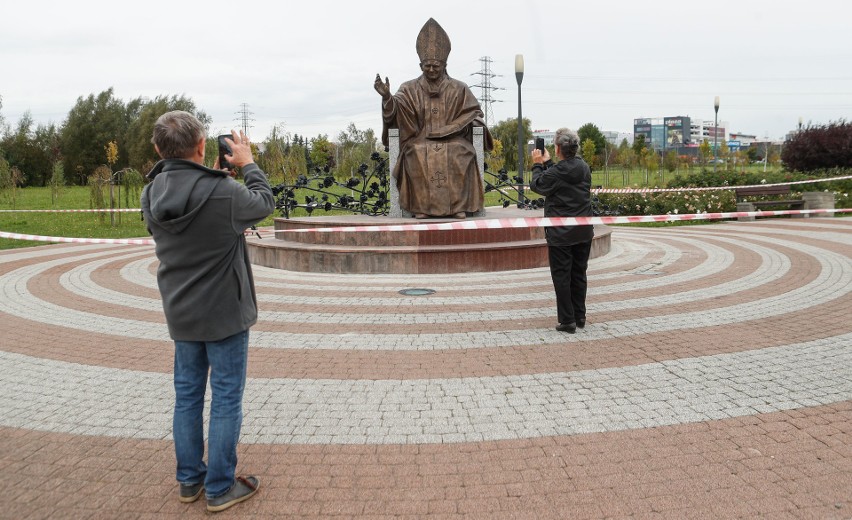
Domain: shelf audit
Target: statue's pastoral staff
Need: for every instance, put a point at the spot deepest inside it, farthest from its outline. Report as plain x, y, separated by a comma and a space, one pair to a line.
437, 174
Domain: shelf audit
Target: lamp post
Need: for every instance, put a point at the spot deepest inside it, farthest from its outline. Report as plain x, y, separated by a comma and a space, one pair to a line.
715, 134
519, 75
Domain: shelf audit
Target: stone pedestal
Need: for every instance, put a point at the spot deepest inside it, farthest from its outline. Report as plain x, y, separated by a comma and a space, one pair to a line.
415, 252
745, 206
818, 200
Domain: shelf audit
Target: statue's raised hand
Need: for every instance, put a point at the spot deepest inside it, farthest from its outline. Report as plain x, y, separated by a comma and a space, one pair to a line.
382, 88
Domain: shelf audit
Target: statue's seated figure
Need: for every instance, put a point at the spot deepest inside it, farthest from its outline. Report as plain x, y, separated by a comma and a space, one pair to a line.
437, 172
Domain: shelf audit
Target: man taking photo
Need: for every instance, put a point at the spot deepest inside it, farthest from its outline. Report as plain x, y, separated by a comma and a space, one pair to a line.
197, 217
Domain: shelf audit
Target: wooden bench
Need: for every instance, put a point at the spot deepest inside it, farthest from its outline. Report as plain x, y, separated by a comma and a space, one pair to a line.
755, 191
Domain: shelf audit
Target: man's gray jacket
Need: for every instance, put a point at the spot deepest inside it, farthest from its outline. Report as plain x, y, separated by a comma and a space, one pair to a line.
197, 217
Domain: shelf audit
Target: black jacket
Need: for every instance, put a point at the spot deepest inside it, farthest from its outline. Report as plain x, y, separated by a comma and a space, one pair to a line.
197, 217
566, 187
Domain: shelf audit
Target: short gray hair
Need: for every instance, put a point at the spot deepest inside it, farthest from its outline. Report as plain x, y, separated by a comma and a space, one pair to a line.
176, 134
567, 141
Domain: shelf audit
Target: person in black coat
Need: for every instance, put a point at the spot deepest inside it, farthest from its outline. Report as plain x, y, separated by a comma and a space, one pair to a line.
566, 186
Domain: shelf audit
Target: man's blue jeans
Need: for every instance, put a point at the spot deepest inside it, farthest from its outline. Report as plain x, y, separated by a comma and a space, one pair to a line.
226, 360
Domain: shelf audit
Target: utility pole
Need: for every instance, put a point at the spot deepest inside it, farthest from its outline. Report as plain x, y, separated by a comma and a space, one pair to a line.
486, 88
244, 118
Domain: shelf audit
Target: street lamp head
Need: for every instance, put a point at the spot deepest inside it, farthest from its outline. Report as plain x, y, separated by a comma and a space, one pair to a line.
519, 67
716, 103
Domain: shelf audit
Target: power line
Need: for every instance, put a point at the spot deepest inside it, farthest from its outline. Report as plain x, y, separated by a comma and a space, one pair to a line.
486, 88
244, 118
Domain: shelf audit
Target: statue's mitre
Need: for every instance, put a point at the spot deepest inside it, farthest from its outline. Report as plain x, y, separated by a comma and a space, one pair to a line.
433, 42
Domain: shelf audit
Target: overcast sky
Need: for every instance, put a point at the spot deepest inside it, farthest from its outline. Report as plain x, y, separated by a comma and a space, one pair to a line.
310, 65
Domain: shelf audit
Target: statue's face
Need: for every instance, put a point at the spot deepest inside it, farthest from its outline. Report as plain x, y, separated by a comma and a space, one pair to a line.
433, 69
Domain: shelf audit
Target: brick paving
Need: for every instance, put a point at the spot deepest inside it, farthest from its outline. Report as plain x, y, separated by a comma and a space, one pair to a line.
714, 380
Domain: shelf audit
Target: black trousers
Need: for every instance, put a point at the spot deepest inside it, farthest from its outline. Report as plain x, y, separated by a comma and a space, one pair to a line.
568, 266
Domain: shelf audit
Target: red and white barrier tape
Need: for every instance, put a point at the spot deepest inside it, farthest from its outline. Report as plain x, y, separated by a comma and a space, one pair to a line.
557, 221
40, 238
115, 241
596, 190
105, 210
711, 188
460, 224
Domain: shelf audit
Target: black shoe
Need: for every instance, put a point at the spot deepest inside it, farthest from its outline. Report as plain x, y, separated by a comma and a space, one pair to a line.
190, 492
570, 328
581, 324
243, 489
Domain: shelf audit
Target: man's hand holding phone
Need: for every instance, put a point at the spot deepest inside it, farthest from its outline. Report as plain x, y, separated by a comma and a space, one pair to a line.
234, 151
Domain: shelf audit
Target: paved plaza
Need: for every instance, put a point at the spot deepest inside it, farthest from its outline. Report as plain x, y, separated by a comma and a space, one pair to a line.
713, 380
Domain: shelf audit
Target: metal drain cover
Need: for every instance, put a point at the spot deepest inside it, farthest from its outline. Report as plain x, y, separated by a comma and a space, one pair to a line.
417, 292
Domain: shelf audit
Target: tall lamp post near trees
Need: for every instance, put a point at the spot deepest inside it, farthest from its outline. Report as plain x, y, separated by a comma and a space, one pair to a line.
519, 75
715, 134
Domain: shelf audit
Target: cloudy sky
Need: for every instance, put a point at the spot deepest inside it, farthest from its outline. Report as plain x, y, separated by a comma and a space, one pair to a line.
310, 65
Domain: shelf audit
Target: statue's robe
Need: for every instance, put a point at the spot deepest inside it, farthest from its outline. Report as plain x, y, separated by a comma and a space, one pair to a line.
436, 172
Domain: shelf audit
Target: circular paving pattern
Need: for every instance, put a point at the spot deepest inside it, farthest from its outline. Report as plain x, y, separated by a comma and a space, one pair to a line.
714, 376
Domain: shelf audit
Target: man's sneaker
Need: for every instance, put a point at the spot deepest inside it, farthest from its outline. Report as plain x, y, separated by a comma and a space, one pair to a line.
190, 492
243, 489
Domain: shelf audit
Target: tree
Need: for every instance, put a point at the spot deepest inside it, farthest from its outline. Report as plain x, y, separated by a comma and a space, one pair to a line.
609, 154
494, 158
590, 131
627, 157
670, 161
3, 126
819, 147
140, 151
354, 148
57, 182
10, 179
639, 144
91, 124
507, 132
652, 163
272, 160
32, 151
588, 152
322, 152
294, 162
704, 152
724, 153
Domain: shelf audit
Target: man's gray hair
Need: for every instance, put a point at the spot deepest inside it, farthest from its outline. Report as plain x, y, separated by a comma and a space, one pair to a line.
177, 133
567, 141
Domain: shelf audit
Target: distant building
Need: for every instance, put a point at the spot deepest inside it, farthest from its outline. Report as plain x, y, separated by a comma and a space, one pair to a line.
744, 139
616, 137
665, 133
548, 136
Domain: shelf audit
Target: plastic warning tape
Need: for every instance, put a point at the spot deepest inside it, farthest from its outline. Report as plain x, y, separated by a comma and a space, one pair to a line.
115, 241
105, 210
595, 190
504, 223
40, 238
501, 223
711, 188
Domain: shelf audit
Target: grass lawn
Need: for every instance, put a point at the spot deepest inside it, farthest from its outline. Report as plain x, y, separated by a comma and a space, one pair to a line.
130, 225
85, 225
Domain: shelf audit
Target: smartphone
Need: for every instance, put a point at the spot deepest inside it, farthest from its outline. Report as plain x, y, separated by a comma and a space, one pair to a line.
224, 149
539, 144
